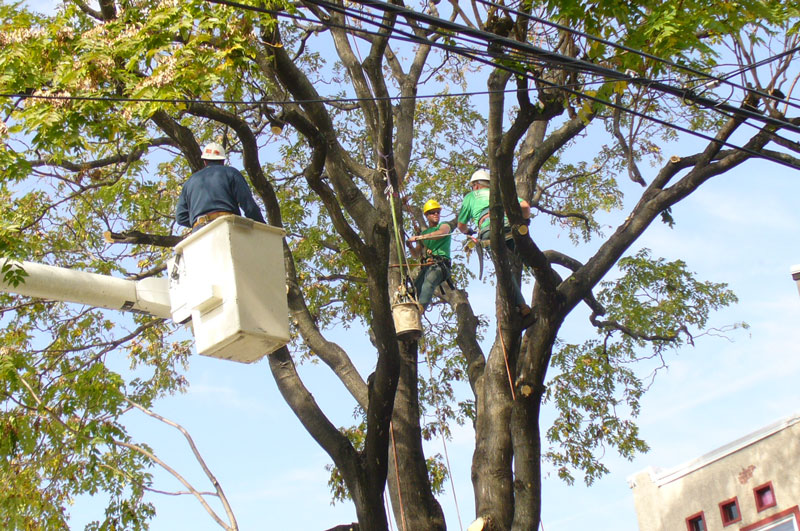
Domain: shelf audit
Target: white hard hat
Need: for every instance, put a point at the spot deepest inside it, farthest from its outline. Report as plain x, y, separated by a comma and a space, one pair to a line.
480, 175
213, 151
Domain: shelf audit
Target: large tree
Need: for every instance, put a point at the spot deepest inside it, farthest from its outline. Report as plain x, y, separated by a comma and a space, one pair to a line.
105, 107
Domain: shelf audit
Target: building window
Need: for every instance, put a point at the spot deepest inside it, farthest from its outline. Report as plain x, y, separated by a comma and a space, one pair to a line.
729, 510
787, 520
696, 522
765, 496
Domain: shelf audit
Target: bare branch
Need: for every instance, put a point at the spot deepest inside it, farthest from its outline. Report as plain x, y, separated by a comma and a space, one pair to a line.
627, 150
101, 163
615, 325
198, 457
348, 278
197, 494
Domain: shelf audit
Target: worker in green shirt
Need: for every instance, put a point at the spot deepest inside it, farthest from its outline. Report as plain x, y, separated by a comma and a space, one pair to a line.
432, 247
475, 208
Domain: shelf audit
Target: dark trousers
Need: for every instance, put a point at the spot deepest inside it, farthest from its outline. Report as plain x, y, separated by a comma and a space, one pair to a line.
519, 300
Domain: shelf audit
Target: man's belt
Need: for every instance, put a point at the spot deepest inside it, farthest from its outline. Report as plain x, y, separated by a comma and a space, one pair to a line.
483, 236
208, 218
436, 259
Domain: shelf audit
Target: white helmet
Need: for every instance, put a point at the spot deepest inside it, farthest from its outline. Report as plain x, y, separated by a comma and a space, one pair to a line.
213, 151
480, 175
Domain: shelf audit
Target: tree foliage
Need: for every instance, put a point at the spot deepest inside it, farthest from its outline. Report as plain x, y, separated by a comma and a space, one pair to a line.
102, 114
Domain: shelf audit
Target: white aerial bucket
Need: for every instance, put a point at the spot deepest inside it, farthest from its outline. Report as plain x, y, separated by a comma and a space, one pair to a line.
229, 278
407, 321
796, 275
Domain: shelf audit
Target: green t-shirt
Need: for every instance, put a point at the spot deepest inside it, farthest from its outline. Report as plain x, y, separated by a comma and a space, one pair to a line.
437, 246
475, 206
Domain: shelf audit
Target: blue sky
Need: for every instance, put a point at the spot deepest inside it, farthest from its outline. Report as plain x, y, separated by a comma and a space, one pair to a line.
741, 228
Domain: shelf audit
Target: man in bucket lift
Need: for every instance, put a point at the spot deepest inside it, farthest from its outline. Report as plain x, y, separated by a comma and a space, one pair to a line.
475, 207
434, 253
215, 191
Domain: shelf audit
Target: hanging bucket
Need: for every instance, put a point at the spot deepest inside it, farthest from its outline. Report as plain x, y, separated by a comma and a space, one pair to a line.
407, 321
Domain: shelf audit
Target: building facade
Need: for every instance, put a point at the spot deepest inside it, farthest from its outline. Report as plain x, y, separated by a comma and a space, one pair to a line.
751, 484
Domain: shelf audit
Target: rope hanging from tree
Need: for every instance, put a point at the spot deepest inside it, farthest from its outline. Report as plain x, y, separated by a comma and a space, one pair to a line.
406, 290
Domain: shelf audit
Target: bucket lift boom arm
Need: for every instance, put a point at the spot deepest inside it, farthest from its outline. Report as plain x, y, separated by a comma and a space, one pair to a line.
150, 295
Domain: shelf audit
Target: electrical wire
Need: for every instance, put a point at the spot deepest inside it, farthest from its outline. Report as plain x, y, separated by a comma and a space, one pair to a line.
725, 108
276, 103
472, 55
475, 55
703, 75
762, 62
721, 107
401, 35
565, 62
396, 34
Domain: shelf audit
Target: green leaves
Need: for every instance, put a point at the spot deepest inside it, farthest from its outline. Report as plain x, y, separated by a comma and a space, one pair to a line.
655, 305
59, 424
10, 245
593, 393
656, 298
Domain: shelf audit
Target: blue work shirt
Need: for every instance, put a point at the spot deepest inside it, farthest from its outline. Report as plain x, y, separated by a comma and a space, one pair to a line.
215, 188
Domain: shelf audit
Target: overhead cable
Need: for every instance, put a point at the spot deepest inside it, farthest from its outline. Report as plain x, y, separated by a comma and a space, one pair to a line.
471, 54
729, 111
276, 103
703, 75
721, 107
569, 62
762, 62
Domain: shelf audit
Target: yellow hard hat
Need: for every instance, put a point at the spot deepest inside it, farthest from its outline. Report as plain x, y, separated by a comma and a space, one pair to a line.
431, 204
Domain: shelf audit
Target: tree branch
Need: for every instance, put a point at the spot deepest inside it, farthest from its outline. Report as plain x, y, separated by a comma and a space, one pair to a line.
198, 457
182, 136
627, 151
136, 237
101, 163
89, 11
304, 406
615, 325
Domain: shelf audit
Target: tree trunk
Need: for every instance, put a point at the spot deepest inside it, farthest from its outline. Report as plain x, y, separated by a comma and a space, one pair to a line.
420, 510
491, 462
527, 460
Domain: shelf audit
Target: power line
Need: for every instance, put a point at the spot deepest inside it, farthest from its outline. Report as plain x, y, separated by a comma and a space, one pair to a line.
475, 55
716, 105
523, 58
762, 62
397, 34
566, 62
721, 107
122, 99
704, 75
432, 21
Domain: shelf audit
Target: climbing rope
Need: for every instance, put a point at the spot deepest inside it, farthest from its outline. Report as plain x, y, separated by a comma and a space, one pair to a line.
508, 369
397, 477
444, 445
407, 289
